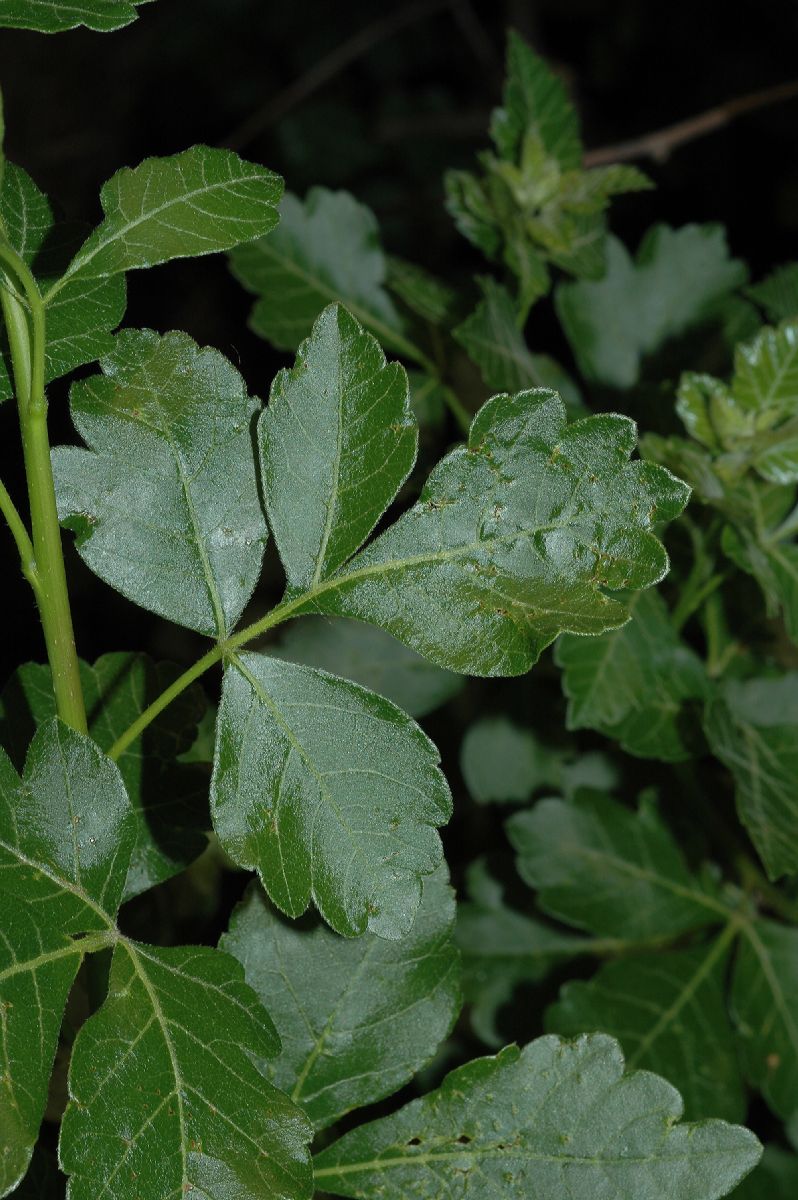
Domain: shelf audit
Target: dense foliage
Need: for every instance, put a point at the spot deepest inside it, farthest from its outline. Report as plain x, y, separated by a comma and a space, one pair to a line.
633, 922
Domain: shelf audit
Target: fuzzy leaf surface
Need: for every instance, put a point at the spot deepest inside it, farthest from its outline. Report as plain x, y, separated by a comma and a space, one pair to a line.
167, 1087
631, 684
751, 727
357, 1017
66, 833
602, 867
175, 528
337, 441
324, 250
329, 791
554, 1119
514, 539
54, 16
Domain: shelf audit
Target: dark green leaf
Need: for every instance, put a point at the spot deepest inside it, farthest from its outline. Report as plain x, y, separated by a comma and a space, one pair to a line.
53, 16
337, 441
778, 294
174, 529
631, 684
601, 867
752, 727
514, 538
669, 1013
535, 103
324, 250
329, 791
424, 294
372, 658
763, 1007
357, 1018
555, 1119
675, 282
167, 1086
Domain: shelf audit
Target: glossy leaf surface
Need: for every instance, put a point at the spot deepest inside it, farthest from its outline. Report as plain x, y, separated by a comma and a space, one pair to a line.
329, 791
357, 1018
177, 530
556, 1118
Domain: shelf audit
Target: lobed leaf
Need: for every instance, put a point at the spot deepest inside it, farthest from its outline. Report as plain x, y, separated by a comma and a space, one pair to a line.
535, 102
357, 1018
175, 528
329, 791
556, 1118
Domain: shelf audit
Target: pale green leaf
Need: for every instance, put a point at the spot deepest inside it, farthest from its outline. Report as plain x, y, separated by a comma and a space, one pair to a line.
54, 16
337, 441
329, 791
668, 1011
324, 250
632, 683
752, 727
766, 371
357, 1017
554, 1119
174, 528
167, 1086
500, 762
764, 988
602, 867
513, 539
66, 833
372, 658
678, 277
198, 202
535, 102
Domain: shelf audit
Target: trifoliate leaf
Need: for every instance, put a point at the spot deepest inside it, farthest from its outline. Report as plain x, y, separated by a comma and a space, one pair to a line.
502, 947
198, 202
535, 102
778, 293
66, 833
763, 1007
514, 538
752, 727
177, 530
169, 798
357, 1018
324, 250
678, 277
554, 1119
601, 867
631, 684
668, 1011
54, 16
491, 337
330, 792
337, 441
167, 1087
372, 658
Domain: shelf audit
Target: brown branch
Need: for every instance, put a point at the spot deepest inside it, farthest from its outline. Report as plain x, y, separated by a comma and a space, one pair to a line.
328, 67
662, 142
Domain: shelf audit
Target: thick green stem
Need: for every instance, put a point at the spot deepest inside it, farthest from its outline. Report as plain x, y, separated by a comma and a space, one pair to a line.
26, 337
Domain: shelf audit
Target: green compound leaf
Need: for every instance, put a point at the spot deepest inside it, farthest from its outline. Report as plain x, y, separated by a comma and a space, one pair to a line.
169, 799
198, 202
372, 658
631, 684
751, 727
601, 867
167, 1087
81, 317
514, 538
66, 833
324, 250
54, 16
778, 293
676, 281
554, 1119
668, 1011
329, 791
491, 337
357, 1018
176, 530
763, 1007
337, 442
535, 103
